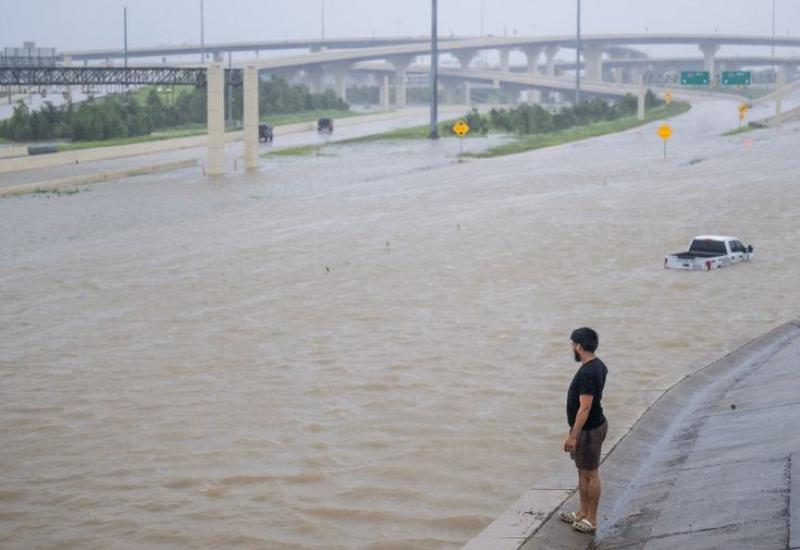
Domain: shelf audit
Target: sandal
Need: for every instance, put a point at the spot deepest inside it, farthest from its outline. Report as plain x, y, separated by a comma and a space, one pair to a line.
568, 517
584, 526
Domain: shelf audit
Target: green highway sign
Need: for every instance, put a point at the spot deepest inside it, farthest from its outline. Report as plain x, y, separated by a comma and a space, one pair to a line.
695, 78
735, 78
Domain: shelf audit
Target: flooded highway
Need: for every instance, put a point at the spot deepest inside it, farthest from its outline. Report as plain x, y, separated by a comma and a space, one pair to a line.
368, 348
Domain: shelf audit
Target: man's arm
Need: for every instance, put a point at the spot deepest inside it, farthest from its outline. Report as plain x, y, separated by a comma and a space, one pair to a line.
580, 420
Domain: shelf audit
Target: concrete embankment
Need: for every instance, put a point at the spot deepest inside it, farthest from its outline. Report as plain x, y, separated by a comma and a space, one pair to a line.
85, 179
713, 463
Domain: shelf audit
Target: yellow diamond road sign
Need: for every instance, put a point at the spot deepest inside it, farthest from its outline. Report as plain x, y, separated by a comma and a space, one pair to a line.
461, 128
743, 108
664, 132
668, 96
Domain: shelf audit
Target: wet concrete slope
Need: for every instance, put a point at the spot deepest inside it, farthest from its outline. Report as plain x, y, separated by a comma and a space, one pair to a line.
714, 463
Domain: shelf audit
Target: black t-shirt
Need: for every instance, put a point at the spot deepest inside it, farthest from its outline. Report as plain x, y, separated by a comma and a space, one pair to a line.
589, 380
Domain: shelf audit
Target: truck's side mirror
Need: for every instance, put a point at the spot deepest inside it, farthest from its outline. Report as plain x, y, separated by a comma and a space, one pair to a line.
749, 248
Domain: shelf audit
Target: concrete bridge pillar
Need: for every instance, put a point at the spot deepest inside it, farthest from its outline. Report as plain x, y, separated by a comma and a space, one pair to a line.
340, 73
450, 92
532, 55
250, 117
465, 57
593, 56
790, 73
634, 75
401, 67
640, 98
215, 83
781, 82
384, 92
709, 51
550, 56
314, 78
504, 55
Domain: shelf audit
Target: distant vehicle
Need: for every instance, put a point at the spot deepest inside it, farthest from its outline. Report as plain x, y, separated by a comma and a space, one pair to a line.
265, 132
707, 252
325, 125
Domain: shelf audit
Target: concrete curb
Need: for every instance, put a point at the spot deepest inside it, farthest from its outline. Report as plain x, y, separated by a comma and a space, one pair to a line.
84, 179
531, 523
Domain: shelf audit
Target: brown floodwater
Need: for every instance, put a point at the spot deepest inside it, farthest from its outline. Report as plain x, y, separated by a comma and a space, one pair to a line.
367, 349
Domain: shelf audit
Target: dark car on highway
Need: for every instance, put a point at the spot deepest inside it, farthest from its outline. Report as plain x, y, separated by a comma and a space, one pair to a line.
265, 132
325, 125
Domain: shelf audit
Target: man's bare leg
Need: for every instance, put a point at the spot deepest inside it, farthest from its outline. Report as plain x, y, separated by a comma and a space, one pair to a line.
592, 489
582, 491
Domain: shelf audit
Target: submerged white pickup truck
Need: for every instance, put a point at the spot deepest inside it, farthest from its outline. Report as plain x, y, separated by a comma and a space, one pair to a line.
709, 252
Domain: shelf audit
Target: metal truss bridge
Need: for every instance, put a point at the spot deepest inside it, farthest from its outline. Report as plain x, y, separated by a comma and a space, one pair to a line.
110, 76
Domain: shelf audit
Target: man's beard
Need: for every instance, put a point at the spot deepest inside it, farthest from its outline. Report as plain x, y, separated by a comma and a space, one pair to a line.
577, 357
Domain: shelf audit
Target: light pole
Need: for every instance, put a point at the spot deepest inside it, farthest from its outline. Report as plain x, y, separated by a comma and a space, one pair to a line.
202, 35
125, 23
578, 60
773, 29
322, 18
483, 12
434, 133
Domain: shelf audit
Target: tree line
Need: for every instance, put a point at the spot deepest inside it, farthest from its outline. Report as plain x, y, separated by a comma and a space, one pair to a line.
126, 115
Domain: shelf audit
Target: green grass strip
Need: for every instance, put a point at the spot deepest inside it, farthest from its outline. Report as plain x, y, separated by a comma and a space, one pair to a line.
576, 133
309, 116
299, 151
161, 135
742, 130
413, 132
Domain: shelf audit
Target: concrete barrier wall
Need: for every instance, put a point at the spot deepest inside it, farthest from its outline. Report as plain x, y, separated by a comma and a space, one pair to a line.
13, 152
85, 179
105, 153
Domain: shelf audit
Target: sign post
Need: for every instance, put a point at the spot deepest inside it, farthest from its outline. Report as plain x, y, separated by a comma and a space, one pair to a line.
743, 108
664, 132
461, 129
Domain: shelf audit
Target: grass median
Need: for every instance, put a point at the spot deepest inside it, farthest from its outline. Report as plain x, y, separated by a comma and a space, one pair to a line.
170, 133
309, 116
577, 133
191, 130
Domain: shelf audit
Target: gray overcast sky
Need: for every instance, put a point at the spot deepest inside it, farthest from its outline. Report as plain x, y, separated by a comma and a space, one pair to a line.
85, 24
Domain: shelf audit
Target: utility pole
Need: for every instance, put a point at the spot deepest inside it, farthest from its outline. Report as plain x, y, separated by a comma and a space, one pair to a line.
434, 133
322, 18
202, 35
125, 32
578, 60
230, 90
773, 36
773, 29
483, 11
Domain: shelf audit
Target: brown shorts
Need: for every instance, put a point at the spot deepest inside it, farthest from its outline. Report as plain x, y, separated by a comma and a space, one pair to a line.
588, 447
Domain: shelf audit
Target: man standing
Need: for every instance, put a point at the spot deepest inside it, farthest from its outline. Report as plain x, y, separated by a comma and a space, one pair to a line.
588, 427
